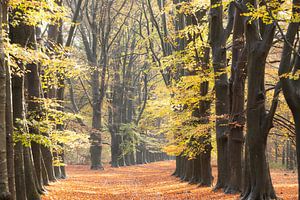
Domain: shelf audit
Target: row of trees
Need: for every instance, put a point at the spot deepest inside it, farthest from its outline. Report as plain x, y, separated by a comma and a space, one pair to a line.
220, 70
118, 80
40, 101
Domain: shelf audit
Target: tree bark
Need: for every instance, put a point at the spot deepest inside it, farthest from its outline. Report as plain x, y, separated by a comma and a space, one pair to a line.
237, 100
20, 35
19, 113
4, 187
9, 114
218, 37
33, 89
260, 185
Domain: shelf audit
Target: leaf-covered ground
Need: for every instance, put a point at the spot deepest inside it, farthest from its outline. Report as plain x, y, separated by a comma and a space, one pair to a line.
146, 182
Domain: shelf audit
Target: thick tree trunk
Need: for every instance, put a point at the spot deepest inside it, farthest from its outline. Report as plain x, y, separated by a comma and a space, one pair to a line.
139, 156
237, 100
30, 179
183, 167
202, 171
114, 148
188, 174
218, 38
260, 185
144, 153
22, 156
206, 174
96, 148
56, 169
45, 176
48, 160
34, 110
197, 170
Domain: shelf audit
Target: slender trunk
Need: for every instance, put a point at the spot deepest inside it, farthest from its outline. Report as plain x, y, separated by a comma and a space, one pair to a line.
34, 114
61, 98
297, 123
19, 113
96, 146
60, 127
9, 114
4, 187
283, 155
9, 135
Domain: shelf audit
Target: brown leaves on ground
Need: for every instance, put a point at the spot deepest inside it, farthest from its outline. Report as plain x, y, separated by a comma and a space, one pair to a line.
146, 182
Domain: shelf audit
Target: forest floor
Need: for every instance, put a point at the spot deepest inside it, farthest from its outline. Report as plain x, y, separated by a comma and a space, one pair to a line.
147, 182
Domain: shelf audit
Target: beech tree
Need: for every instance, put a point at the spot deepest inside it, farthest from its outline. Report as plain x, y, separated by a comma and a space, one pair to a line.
258, 184
218, 38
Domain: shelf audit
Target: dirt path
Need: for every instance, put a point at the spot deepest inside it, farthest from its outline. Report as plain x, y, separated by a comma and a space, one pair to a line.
146, 182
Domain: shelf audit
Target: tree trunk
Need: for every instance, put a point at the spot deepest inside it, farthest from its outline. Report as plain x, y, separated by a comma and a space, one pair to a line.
9, 135
218, 37
48, 160
202, 171
283, 155
205, 160
25, 180
19, 113
260, 184
8, 113
34, 114
45, 176
4, 187
297, 123
30, 179
196, 171
96, 148
237, 100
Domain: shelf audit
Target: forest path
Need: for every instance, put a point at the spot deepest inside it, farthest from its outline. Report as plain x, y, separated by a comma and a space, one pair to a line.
146, 182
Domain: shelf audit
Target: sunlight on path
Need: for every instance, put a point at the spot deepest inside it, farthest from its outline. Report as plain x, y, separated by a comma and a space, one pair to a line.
145, 182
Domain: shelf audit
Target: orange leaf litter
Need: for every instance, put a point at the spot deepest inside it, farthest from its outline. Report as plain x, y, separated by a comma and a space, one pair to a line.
147, 182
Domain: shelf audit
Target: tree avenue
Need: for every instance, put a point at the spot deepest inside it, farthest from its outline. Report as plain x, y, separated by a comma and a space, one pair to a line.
128, 82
